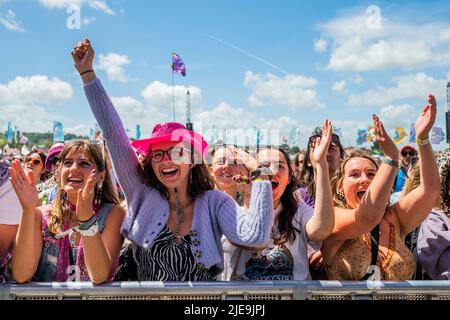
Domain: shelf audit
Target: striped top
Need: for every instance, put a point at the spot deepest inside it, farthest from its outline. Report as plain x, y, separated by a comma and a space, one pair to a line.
168, 261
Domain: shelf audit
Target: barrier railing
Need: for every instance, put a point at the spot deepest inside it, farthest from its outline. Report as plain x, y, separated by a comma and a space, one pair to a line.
261, 290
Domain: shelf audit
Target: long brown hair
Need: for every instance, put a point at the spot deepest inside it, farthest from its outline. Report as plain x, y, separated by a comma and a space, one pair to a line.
336, 182
200, 179
60, 211
289, 202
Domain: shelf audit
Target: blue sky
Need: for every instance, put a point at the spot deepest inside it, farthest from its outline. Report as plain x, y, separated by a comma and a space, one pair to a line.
274, 65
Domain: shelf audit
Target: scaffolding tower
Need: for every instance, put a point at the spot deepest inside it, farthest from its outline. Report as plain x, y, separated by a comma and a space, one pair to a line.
189, 124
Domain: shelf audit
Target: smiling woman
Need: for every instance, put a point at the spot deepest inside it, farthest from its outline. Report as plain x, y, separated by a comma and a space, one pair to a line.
175, 219
78, 231
369, 234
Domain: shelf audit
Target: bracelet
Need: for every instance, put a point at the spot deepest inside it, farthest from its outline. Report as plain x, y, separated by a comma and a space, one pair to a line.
390, 162
422, 142
92, 231
85, 225
86, 72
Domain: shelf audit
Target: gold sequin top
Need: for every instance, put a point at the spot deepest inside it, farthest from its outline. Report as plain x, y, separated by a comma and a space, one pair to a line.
354, 256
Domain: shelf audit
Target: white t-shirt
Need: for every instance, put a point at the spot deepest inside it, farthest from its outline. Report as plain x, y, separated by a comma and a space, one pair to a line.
285, 262
10, 209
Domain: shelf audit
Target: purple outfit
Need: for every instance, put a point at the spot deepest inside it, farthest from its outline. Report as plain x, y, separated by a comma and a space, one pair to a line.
433, 245
306, 197
215, 212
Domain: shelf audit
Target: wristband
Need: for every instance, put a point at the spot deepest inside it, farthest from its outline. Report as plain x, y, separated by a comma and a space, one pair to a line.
422, 142
390, 162
92, 231
85, 225
87, 71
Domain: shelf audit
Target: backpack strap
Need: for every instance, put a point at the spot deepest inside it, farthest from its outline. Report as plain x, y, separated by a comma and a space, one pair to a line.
374, 239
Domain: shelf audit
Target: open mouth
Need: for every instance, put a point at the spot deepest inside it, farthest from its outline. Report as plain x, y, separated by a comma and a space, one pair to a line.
75, 180
360, 194
169, 172
226, 175
274, 184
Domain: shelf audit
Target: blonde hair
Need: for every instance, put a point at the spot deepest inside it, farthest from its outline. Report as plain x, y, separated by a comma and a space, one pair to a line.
60, 211
336, 183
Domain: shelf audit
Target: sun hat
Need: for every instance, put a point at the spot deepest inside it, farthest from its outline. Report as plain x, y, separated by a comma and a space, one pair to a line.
171, 131
54, 151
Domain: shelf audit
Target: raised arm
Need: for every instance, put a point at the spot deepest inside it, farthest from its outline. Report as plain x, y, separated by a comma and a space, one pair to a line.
355, 222
124, 158
28, 244
321, 223
251, 228
412, 209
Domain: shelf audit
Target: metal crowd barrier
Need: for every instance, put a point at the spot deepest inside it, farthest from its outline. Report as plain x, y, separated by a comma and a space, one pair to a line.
239, 290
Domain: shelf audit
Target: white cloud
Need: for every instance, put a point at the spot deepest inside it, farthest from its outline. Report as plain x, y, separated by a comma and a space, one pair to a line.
358, 79
159, 95
238, 126
10, 23
397, 44
22, 101
398, 116
87, 20
410, 86
445, 35
35, 90
99, 5
320, 45
339, 86
297, 92
112, 64
79, 129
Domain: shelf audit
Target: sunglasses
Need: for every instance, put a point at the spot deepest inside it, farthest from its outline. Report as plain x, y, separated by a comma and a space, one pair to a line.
408, 153
175, 154
34, 161
334, 138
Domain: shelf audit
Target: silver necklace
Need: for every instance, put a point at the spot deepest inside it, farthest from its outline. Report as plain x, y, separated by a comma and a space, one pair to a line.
180, 217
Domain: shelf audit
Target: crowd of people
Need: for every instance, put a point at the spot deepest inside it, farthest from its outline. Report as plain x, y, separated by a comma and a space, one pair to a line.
169, 208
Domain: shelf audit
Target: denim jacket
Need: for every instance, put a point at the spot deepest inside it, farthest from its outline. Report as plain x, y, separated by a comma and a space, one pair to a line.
49, 257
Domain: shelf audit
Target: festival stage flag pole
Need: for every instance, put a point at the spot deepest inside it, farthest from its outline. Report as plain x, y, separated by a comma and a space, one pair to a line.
177, 67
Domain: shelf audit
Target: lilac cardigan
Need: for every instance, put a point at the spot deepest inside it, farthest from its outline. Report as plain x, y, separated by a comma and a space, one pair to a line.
215, 213
433, 245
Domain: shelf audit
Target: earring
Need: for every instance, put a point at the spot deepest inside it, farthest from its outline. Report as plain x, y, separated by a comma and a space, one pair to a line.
340, 193
98, 195
63, 197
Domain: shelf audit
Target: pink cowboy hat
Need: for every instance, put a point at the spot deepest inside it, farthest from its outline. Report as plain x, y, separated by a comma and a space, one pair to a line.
171, 131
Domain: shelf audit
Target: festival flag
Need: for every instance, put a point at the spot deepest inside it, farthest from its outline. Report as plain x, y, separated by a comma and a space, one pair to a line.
437, 135
23, 139
292, 136
370, 134
362, 137
178, 65
412, 134
10, 133
258, 136
138, 131
58, 132
91, 134
400, 135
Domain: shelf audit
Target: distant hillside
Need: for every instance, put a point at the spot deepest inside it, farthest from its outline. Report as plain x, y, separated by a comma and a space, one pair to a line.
37, 139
